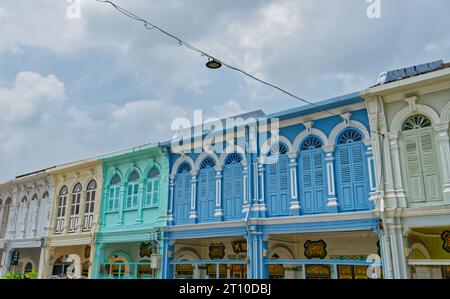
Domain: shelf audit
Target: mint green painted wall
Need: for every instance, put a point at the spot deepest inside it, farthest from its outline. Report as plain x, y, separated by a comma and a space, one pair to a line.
141, 159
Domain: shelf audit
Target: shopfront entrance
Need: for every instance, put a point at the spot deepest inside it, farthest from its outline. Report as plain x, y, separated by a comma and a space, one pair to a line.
341, 255
212, 258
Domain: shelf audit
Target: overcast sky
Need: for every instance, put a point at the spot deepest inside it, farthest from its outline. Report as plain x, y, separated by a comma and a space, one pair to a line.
74, 88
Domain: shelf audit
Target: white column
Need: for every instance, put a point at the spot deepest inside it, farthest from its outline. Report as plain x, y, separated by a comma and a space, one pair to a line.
331, 184
370, 170
193, 213
295, 203
171, 202
41, 267
246, 200
67, 212
141, 199
219, 211
444, 147
397, 170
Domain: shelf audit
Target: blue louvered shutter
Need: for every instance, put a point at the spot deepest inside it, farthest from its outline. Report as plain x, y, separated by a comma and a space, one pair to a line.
211, 192
345, 177
283, 166
307, 182
319, 181
272, 189
186, 196
179, 198
228, 192
360, 177
206, 194
238, 192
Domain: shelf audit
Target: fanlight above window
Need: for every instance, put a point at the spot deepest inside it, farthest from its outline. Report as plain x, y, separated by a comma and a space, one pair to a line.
184, 168
64, 191
134, 176
311, 143
350, 136
154, 172
24, 199
34, 197
233, 159
115, 180
208, 163
278, 149
416, 122
77, 188
92, 185
45, 195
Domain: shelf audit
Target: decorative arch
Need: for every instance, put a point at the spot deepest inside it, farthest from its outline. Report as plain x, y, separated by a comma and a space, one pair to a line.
338, 130
150, 167
445, 115
119, 253
130, 172
179, 161
403, 114
230, 150
265, 149
25, 261
305, 134
282, 250
202, 157
112, 174
422, 249
187, 253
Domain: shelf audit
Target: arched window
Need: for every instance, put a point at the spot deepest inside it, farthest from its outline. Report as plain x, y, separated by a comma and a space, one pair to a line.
114, 193
75, 208
233, 187
206, 192
133, 190
352, 171
32, 215
5, 216
90, 205
61, 210
153, 182
311, 164
28, 268
420, 160
277, 181
45, 195
182, 200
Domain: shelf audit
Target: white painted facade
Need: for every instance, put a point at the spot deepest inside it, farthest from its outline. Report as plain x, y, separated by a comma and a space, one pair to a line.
25, 213
412, 166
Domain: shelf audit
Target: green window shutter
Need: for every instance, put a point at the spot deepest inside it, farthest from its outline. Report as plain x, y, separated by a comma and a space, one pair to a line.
413, 168
430, 165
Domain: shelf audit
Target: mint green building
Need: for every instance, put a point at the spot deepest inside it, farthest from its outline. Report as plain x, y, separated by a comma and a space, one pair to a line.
130, 237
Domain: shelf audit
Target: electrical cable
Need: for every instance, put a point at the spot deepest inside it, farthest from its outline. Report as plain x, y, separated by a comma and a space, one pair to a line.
148, 25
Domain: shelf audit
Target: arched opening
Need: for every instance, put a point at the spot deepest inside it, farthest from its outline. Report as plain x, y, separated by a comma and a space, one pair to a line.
61, 210
352, 171
233, 187
420, 161
114, 193
277, 180
206, 193
132, 190
311, 163
182, 200
75, 208
153, 186
90, 205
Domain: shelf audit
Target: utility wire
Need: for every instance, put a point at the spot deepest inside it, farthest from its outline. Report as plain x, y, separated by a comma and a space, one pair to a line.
181, 42
148, 25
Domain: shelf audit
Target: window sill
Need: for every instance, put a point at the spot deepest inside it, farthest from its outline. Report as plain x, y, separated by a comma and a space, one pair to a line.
150, 207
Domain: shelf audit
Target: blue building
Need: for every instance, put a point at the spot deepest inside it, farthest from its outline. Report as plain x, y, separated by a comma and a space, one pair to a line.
287, 195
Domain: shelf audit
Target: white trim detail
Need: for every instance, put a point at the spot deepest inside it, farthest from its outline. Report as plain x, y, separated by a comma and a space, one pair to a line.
179, 161
445, 115
265, 149
342, 126
402, 115
304, 134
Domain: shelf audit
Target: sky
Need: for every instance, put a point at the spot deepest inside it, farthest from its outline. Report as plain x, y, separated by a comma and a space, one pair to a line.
74, 85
